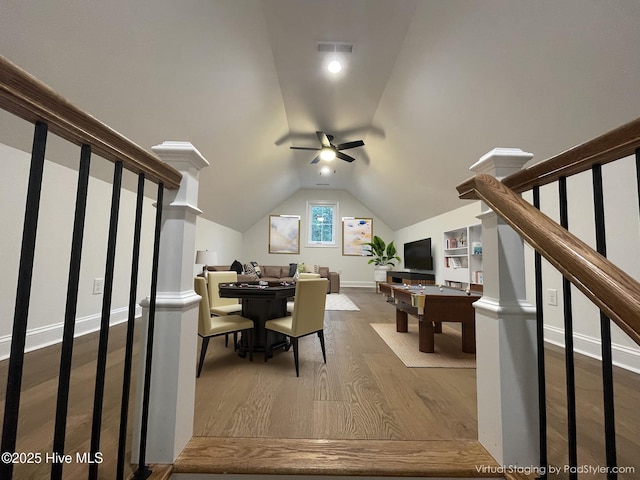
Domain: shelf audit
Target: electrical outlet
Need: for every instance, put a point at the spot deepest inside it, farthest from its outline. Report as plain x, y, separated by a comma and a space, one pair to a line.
552, 296
98, 286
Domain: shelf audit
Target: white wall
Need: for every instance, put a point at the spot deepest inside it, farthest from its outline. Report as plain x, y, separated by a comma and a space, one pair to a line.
434, 228
55, 227
226, 242
623, 237
51, 264
354, 271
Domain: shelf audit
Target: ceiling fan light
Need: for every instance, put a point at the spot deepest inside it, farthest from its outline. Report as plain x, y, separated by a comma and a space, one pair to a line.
327, 154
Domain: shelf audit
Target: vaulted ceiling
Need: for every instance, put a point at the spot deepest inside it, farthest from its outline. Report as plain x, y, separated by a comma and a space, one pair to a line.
431, 85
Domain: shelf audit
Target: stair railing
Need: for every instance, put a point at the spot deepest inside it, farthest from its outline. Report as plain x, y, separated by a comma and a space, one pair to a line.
616, 293
26, 97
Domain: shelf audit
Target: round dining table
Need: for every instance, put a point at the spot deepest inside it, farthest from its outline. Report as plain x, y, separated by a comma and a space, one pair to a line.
261, 301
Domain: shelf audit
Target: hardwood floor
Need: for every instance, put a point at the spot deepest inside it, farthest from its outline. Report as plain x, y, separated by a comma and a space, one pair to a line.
38, 405
363, 392
589, 406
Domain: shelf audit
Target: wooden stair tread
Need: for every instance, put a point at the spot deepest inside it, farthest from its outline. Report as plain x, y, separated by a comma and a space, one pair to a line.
160, 472
520, 476
294, 456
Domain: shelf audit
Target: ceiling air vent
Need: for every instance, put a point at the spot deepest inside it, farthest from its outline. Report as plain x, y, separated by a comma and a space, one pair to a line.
330, 47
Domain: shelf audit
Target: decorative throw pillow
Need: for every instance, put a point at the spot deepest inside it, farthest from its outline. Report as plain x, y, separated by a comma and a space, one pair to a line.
316, 269
236, 266
293, 269
249, 269
256, 268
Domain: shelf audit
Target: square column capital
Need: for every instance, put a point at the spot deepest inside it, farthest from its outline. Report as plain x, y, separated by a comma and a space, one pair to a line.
180, 155
185, 158
501, 162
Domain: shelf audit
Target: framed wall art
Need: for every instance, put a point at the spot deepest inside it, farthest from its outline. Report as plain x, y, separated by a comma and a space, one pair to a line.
284, 234
356, 232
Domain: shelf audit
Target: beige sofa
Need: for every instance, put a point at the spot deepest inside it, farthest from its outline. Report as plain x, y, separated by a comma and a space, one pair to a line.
272, 273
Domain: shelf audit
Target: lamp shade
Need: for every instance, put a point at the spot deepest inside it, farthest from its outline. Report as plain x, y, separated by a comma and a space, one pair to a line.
206, 257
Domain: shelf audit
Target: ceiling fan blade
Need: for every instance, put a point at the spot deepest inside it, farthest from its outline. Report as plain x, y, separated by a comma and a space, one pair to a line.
345, 157
324, 140
304, 148
346, 146
316, 160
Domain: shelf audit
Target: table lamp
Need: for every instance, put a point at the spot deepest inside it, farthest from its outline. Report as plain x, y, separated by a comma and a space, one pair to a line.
206, 258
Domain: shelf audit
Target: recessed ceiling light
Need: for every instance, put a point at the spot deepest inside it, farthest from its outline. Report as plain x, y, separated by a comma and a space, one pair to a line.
334, 66
325, 170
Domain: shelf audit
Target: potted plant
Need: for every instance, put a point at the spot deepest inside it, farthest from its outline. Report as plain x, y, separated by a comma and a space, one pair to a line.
384, 257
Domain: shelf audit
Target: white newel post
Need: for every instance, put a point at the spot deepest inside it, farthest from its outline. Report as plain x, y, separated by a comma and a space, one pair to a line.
506, 334
173, 373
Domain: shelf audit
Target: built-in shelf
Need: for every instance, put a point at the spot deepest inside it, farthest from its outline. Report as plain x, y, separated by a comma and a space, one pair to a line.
463, 257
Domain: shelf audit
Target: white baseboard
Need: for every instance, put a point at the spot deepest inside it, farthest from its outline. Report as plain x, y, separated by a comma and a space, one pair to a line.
623, 356
358, 284
51, 334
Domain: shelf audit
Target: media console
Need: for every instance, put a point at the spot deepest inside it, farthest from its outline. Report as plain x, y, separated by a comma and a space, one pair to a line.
412, 278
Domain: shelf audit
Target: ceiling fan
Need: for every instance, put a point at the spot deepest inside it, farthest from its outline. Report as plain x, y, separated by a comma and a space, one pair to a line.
329, 151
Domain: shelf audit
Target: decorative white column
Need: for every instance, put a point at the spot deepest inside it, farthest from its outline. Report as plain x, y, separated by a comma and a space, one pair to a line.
173, 372
505, 334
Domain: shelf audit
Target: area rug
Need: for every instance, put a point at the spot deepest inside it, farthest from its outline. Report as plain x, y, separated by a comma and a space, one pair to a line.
448, 347
339, 301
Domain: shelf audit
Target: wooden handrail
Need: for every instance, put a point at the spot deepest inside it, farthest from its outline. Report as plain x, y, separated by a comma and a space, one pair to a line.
615, 292
614, 145
30, 99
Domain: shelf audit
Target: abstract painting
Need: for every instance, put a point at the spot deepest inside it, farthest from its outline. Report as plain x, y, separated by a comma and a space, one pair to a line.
356, 232
284, 234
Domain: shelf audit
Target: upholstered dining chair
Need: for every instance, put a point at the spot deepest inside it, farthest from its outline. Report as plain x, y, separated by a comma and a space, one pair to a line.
223, 306
219, 305
212, 326
301, 276
307, 317
307, 275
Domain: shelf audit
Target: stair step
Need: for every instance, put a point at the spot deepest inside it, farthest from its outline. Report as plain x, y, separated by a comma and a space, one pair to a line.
294, 456
520, 476
160, 472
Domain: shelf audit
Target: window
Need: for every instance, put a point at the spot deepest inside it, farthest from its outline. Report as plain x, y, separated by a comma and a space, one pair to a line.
322, 223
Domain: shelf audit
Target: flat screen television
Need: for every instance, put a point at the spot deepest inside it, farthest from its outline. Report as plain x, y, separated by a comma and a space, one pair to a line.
417, 255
